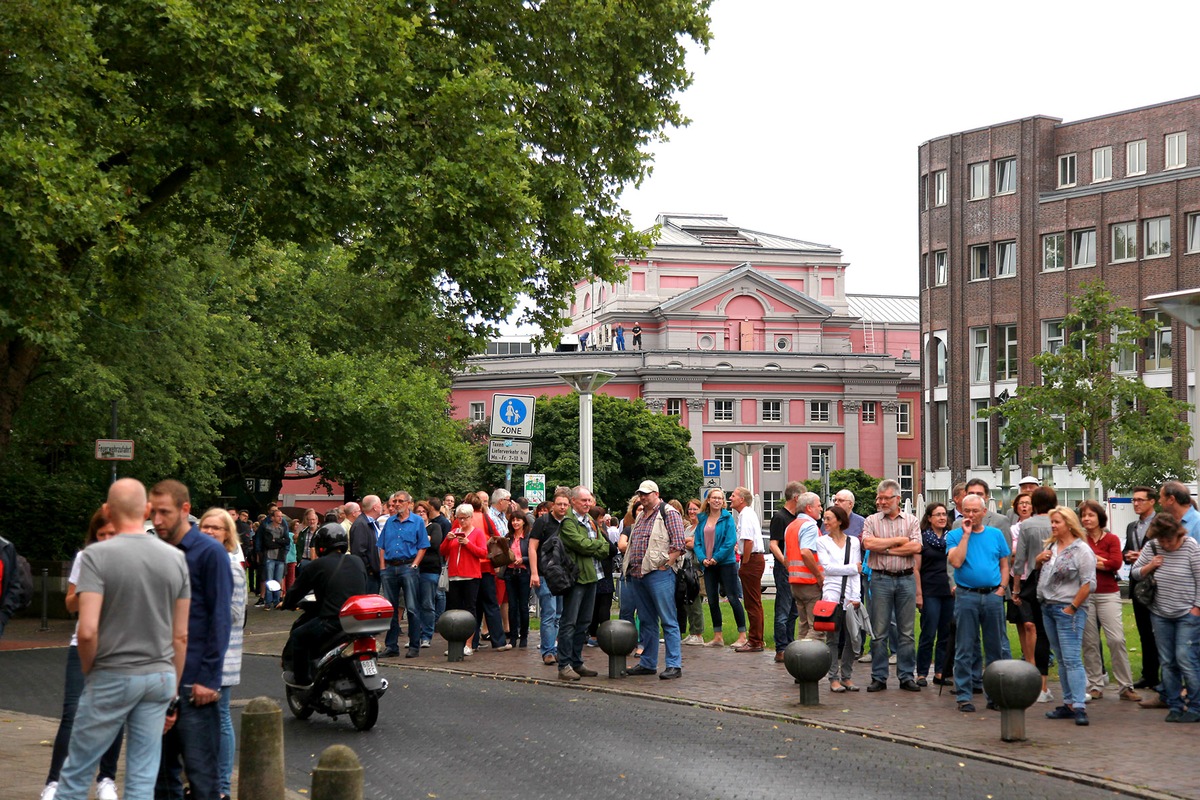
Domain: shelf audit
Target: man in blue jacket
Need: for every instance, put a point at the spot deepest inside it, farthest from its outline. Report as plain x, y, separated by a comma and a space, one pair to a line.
193, 741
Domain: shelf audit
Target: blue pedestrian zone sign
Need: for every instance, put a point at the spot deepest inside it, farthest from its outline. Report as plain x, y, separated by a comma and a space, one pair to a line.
512, 416
712, 468
512, 412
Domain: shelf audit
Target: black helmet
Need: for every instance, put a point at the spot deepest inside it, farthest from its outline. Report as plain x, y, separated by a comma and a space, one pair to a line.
329, 537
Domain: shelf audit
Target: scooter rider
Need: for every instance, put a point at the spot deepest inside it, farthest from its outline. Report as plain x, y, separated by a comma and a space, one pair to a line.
333, 578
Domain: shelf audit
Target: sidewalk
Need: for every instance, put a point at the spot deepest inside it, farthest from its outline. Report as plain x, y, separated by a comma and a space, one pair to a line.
1126, 748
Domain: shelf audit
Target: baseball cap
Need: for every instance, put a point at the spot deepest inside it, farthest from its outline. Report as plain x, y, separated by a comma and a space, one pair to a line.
647, 487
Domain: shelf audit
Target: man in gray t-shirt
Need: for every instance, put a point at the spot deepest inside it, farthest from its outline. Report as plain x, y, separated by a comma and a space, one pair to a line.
134, 594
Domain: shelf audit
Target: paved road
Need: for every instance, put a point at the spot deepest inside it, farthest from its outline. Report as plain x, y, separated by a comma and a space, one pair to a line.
453, 735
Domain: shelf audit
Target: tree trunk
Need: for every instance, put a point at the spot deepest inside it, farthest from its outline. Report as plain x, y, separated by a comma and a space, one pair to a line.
18, 360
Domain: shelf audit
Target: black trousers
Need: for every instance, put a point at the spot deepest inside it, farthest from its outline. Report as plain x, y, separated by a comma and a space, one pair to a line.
1145, 629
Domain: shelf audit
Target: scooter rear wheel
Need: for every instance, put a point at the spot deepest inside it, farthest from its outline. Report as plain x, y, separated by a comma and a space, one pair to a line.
296, 704
364, 715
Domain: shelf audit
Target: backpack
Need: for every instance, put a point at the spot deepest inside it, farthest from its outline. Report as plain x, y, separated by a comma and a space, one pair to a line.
21, 579
555, 566
687, 581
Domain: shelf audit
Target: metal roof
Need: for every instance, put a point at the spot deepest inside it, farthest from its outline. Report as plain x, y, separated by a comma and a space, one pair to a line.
885, 308
715, 230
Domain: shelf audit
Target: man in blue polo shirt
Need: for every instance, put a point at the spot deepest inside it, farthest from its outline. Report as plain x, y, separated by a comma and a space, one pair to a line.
979, 555
402, 546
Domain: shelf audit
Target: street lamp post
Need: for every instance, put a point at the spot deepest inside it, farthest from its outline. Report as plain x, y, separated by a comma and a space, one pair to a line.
1185, 307
586, 382
747, 450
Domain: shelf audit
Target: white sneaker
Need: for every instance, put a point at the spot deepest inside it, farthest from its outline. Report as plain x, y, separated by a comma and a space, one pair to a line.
865, 658
50, 790
1046, 697
892, 658
106, 789
467, 651
425, 643
694, 640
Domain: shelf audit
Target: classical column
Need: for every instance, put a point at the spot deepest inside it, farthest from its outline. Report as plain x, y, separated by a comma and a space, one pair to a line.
891, 459
656, 404
850, 422
695, 417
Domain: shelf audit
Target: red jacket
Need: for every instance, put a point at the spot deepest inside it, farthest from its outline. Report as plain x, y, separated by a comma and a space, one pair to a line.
463, 561
1108, 561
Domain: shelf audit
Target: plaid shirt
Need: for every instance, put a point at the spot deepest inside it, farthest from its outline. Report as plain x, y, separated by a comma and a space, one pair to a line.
639, 540
884, 527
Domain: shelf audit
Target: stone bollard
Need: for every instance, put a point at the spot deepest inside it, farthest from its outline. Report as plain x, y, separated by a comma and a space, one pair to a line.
260, 762
338, 776
617, 638
456, 627
1014, 686
808, 661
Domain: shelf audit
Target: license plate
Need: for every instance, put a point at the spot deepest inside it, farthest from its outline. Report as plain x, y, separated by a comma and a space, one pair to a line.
369, 668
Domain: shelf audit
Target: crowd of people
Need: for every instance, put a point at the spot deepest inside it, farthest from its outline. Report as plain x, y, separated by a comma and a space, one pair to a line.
1049, 570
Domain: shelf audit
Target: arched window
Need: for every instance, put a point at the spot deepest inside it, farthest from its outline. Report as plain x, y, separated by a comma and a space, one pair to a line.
940, 362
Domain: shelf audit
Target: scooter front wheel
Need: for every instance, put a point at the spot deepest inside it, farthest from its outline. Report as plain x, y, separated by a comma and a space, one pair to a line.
365, 714
296, 704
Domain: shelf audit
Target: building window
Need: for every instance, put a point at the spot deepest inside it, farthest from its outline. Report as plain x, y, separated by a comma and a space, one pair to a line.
818, 411
771, 502
1135, 157
904, 418
941, 268
724, 454
1158, 346
1006, 259
1006, 353
1124, 241
722, 411
1193, 240
869, 410
1101, 164
675, 407
923, 189
940, 362
1126, 356
979, 181
1053, 336
1066, 171
1006, 175
906, 476
980, 269
979, 355
939, 188
772, 459
1176, 150
1084, 244
981, 430
820, 459
477, 412
941, 435
1158, 237
1054, 251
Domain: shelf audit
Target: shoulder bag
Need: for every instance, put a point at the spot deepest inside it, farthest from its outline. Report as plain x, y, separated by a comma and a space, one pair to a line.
827, 613
1145, 589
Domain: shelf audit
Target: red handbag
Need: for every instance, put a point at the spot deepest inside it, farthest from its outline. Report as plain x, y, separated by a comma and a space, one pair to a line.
825, 615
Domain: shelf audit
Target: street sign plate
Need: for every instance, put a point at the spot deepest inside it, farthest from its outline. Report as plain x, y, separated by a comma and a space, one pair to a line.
535, 488
712, 483
512, 416
509, 451
114, 449
712, 468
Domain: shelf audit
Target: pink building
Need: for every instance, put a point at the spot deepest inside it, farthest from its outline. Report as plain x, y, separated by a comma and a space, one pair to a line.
745, 336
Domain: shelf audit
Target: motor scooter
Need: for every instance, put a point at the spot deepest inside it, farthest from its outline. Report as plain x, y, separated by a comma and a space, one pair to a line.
346, 678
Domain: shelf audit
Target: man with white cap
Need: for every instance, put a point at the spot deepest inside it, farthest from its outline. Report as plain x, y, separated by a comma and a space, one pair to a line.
647, 565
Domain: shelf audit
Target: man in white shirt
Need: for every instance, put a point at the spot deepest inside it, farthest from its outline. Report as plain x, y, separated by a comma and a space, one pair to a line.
750, 545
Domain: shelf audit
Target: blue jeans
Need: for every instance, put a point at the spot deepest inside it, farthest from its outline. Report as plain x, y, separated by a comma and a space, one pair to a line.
550, 609
654, 598
936, 618
108, 701
785, 608
975, 613
72, 689
1177, 641
394, 580
1065, 633
726, 576
899, 595
274, 572
228, 743
193, 743
578, 604
433, 603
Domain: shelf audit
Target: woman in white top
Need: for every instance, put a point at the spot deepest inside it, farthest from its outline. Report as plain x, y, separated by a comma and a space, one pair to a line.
841, 570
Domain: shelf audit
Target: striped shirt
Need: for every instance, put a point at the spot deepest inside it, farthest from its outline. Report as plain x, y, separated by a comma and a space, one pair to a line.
881, 526
1178, 578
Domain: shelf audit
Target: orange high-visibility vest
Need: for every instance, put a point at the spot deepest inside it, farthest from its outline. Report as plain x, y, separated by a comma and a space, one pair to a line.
798, 572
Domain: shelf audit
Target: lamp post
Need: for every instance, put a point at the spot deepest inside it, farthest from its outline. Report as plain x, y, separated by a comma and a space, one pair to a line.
1185, 307
747, 450
586, 382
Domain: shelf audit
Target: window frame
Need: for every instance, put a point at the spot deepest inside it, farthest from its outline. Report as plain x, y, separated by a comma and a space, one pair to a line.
674, 407
1175, 150
1127, 251
981, 371
1060, 251
770, 411
939, 188
772, 458
1006, 176
869, 412
724, 454
1135, 153
1102, 164
819, 413
1077, 236
1006, 259
813, 451
1068, 173
978, 174
722, 410
1162, 245
1193, 233
981, 268
1007, 353
1060, 336
772, 500
941, 267
1162, 340
904, 419
981, 435
477, 411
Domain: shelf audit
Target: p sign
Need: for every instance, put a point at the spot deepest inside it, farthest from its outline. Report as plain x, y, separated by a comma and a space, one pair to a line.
712, 468
512, 416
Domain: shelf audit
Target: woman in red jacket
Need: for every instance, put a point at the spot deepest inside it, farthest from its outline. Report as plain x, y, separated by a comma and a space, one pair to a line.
462, 549
1104, 607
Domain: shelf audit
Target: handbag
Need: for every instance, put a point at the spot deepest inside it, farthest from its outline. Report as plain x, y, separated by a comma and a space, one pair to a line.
498, 552
826, 613
444, 578
1145, 589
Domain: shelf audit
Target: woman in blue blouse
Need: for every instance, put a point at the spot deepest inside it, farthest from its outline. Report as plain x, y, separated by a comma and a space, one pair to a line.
716, 538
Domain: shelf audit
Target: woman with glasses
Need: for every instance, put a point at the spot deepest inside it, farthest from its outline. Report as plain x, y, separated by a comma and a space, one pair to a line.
716, 540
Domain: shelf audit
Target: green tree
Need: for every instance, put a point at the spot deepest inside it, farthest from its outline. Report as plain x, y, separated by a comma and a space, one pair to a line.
856, 480
631, 443
1133, 433
473, 150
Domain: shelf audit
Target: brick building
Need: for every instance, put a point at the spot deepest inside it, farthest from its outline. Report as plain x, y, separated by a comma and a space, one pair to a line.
1014, 217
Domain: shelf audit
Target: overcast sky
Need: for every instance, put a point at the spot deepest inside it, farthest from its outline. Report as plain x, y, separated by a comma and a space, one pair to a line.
806, 116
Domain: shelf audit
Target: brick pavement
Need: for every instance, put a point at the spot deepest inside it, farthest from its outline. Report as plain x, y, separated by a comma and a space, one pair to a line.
1126, 748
